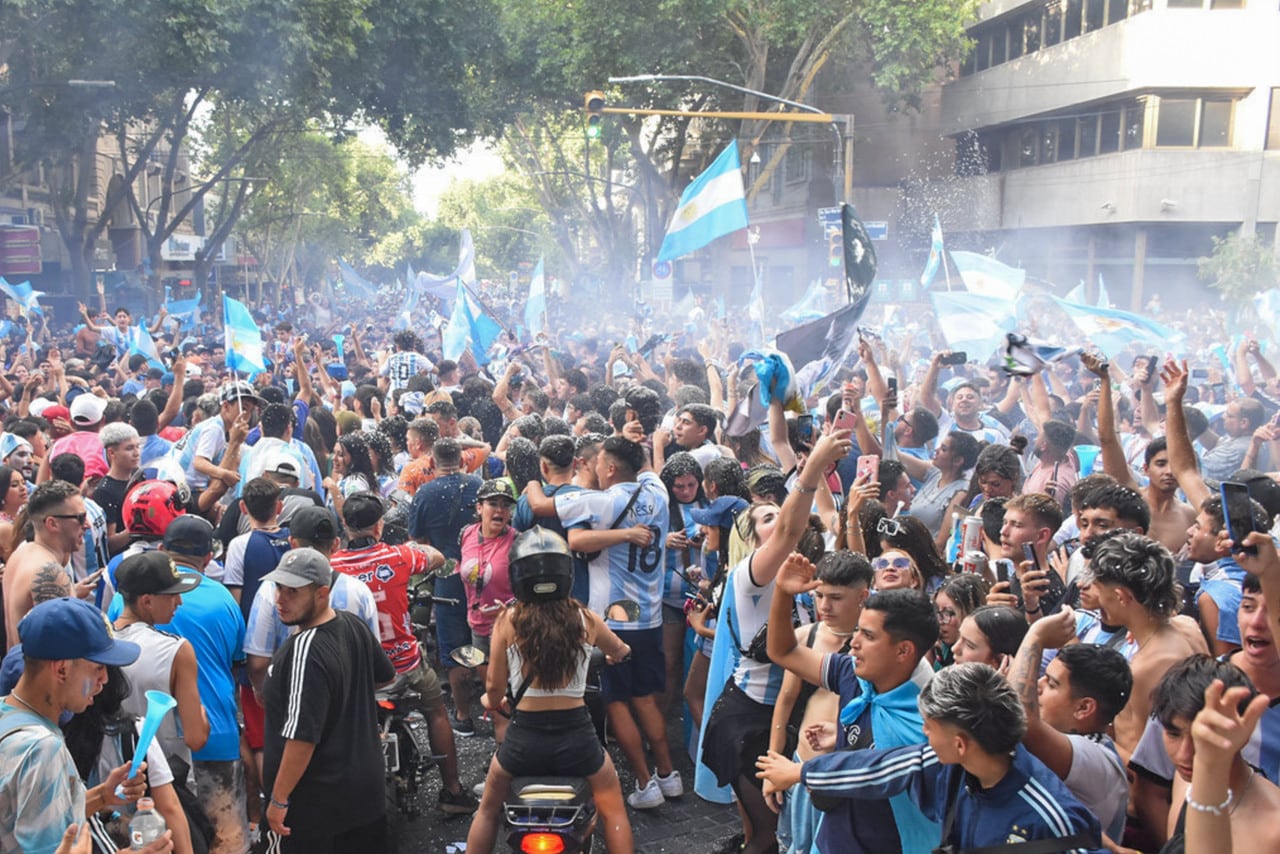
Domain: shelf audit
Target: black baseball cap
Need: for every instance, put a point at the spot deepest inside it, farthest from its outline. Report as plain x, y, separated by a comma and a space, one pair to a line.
189, 535
153, 572
313, 524
362, 510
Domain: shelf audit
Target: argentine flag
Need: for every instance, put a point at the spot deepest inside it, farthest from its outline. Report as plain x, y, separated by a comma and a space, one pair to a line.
142, 342
243, 338
1112, 330
535, 310
713, 205
987, 276
935, 256
23, 295
973, 323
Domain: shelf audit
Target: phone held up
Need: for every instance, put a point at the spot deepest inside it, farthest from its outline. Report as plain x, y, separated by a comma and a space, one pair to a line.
1237, 512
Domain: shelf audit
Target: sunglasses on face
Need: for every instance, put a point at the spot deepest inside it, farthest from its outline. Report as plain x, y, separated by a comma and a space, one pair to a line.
889, 527
880, 563
79, 517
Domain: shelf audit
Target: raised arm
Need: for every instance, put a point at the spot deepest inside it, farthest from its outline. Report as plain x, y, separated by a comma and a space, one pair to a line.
1182, 456
1051, 747
173, 405
155, 327
1113, 459
929, 385
88, 321
306, 393
876, 385
778, 439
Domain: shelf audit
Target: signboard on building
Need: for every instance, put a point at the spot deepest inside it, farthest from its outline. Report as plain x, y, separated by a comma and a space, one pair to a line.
181, 247
20, 251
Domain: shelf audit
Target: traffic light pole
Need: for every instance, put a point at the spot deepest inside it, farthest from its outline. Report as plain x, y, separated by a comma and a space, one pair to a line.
841, 177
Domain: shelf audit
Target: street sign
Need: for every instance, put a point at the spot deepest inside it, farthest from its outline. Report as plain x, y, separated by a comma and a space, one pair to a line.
877, 229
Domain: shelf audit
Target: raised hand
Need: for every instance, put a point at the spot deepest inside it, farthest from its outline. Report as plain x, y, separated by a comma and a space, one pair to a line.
796, 575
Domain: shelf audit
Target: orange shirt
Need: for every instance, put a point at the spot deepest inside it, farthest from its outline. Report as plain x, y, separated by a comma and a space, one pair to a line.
423, 469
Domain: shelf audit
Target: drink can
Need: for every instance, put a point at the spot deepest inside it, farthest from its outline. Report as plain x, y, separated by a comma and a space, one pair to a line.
971, 540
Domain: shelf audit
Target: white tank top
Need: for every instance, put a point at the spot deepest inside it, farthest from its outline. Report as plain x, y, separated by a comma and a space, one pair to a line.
576, 687
151, 672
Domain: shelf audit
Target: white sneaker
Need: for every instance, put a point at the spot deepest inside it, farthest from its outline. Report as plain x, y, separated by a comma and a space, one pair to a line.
671, 785
647, 798
478, 790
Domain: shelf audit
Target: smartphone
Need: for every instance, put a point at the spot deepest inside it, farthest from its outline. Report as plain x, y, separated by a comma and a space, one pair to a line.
1029, 553
1153, 366
1237, 512
892, 383
1199, 375
804, 427
868, 464
957, 358
1002, 567
1219, 392
845, 420
1275, 419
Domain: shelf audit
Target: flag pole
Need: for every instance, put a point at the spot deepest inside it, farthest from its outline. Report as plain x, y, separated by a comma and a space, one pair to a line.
946, 269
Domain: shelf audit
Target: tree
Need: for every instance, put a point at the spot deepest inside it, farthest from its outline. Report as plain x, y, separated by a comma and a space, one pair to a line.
1240, 266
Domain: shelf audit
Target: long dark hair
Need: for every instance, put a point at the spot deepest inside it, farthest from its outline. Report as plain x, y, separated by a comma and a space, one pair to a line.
679, 465
549, 636
357, 449
83, 734
915, 539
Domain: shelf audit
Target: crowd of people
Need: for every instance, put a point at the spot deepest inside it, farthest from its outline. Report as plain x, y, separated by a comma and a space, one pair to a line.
934, 603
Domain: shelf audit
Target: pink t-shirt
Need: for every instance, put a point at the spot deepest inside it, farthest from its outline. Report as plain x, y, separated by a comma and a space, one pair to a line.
85, 445
486, 575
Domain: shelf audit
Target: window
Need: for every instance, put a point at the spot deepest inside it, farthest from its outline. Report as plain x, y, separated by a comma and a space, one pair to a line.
1186, 4
984, 51
1215, 124
1117, 10
1273, 122
1088, 128
1072, 19
1031, 31
1094, 12
1226, 4
1049, 143
998, 46
1177, 123
1052, 22
1066, 139
1028, 143
1109, 132
797, 165
1134, 122
1015, 38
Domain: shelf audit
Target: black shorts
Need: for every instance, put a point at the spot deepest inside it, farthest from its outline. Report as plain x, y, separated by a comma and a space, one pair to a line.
643, 674
559, 743
737, 733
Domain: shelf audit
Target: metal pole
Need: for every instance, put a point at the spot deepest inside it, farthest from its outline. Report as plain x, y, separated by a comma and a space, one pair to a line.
837, 176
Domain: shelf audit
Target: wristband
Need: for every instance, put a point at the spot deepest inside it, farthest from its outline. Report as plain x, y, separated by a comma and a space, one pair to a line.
1209, 808
277, 804
805, 490
1038, 608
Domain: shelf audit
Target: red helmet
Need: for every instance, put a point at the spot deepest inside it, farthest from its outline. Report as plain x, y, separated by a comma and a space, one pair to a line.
150, 508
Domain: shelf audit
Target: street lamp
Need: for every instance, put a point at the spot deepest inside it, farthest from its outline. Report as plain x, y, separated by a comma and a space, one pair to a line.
836, 167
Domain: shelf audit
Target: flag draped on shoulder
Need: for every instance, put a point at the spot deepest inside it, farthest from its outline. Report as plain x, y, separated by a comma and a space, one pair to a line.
1112, 330
987, 276
535, 309
243, 338
935, 255
713, 205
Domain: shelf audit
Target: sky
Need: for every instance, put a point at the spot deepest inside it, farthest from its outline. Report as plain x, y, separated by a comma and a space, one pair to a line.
477, 162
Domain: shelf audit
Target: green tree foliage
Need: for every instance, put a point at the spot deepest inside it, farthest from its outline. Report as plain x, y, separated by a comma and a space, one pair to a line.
1240, 266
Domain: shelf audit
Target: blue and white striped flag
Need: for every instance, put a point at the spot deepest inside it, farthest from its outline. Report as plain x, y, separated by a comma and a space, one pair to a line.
713, 205
987, 276
1112, 330
23, 295
185, 311
935, 255
535, 310
142, 342
243, 338
974, 323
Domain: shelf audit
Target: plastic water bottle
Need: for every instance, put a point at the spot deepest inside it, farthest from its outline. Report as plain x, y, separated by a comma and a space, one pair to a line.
146, 826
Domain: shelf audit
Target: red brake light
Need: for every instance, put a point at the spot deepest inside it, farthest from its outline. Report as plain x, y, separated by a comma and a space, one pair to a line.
542, 843
387, 704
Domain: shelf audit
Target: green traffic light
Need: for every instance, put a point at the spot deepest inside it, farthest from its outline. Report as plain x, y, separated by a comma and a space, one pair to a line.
594, 127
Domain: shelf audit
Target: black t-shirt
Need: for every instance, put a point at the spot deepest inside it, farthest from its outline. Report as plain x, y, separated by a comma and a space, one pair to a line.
110, 497
320, 690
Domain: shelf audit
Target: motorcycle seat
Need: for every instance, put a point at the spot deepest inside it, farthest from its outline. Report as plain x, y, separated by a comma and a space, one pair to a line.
397, 689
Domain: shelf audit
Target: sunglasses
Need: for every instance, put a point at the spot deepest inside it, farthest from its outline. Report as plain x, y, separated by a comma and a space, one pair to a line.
79, 517
895, 562
889, 527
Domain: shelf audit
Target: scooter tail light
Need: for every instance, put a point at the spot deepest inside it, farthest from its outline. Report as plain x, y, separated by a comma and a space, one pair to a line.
542, 843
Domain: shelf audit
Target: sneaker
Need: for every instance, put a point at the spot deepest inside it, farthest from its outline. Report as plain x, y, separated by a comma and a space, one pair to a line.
459, 804
647, 798
671, 785
478, 789
464, 727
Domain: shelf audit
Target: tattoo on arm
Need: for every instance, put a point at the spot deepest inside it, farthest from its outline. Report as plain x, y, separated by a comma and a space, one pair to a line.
1023, 675
49, 582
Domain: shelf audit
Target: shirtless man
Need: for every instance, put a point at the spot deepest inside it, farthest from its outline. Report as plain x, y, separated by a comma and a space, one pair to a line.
39, 569
1133, 579
1170, 517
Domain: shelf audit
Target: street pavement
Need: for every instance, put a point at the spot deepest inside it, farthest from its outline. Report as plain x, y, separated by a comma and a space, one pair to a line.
688, 825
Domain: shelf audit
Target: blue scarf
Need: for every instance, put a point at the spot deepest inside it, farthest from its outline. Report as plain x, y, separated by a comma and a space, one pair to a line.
896, 722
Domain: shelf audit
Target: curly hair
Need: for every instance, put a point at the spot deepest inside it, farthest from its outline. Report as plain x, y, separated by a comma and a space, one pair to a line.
914, 538
549, 635
1141, 565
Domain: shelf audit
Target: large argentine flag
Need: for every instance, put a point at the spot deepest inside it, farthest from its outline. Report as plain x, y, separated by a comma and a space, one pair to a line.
1112, 330
987, 276
713, 205
973, 323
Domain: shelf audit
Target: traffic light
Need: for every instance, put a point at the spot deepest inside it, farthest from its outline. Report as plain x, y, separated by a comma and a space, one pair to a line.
835, 249
593, 103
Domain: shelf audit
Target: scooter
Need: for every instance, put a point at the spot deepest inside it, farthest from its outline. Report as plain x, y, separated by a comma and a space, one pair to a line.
557, 815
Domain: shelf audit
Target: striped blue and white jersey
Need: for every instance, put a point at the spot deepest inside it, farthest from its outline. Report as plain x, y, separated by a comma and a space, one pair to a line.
760, 682
207, 439
41, 794
624, 571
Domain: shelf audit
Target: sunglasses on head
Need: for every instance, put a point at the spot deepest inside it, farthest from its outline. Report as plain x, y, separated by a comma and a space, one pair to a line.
895, 562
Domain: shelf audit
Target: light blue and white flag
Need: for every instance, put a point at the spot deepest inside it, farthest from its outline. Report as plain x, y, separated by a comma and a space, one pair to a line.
713, 205
357, 285
935, 255
142, 342
1104, 298
185, 311
1267, 305
974, 323
1112, 330
23, 295
808, 307
243, 338
483, 330
987, 276
1076, 294
535, 310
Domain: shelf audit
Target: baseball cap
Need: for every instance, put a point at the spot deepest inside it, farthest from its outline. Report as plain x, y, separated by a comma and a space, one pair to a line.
314, 524
87, 409
300, 568
282, 462
238, 390
498, 487
362, 510
66, 628
52, 412
189, 535
153, 572
40, 405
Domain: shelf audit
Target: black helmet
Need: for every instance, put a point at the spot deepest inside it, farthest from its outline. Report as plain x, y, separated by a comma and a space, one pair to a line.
541, 566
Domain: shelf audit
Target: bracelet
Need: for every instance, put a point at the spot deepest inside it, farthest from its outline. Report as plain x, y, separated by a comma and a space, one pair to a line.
277, 804
805, 490
1209, 808
1039, 607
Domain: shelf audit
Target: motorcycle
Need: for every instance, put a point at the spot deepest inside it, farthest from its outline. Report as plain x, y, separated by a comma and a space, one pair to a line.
558, 814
